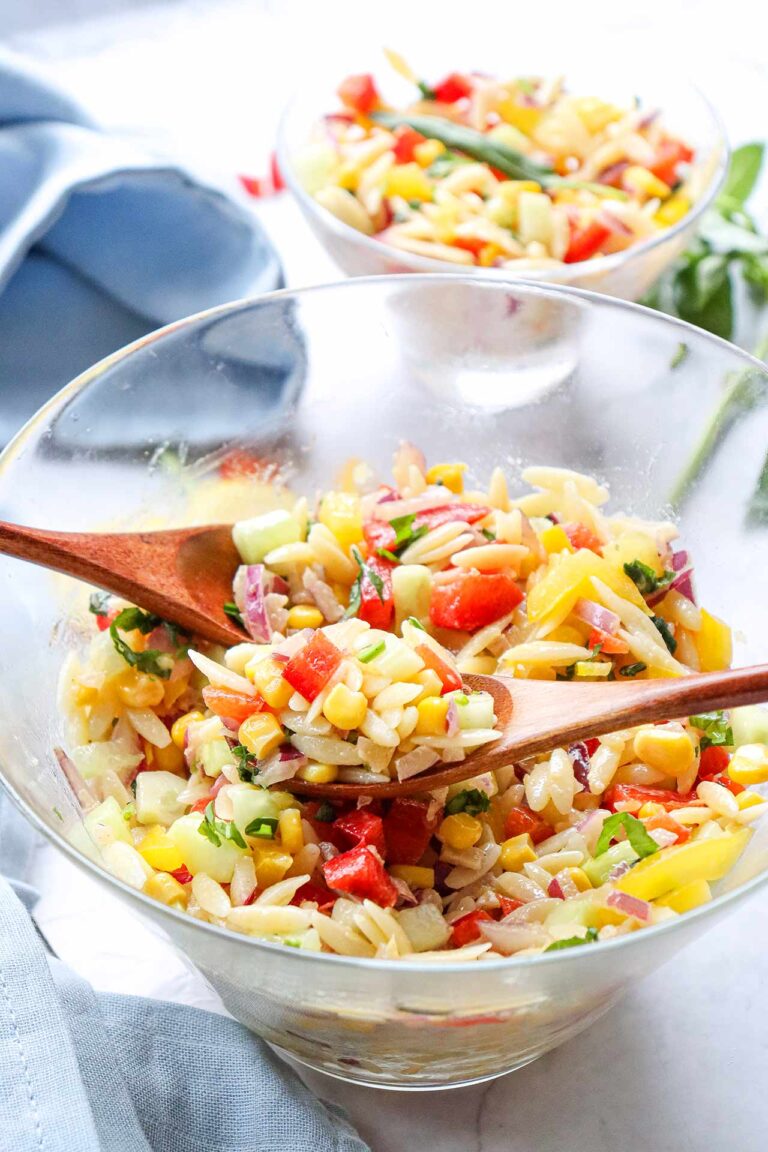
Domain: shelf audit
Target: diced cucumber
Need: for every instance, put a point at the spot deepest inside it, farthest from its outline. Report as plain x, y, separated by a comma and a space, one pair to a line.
475, 710
411, 591
250, 803
424, 926
199, 854
157, 798
397, 661
91, 760
534, 217
598, 869
214, 755
105, 823
578, 910
315, 166
255, 538
750, 725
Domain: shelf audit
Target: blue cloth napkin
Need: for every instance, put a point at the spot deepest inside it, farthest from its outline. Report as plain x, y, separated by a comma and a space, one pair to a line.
100, 243
87, 1072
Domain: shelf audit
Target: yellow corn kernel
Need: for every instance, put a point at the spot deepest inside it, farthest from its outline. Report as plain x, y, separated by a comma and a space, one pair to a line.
289, 827
267, 676
170, 758
413, 875
271, 863
451, 476
713, 643
408, 181
688, 897
167, 890
179, 729
650, 809
567, 634
460, 831
669, 750
85, 694
340, 512
138, 690
673, 210
554, 539
432, 684
303, 616
261, 734
516, 851
510, 189
344, 708
643, 183
159, 850
748, 799
749, 764
427, 152
432, 716
319, 773
580, 878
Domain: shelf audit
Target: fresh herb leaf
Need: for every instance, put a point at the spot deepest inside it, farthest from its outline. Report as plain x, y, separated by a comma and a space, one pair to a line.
387, 555
567, 673
405, 533
427, 92
247, 763
98, 603
371, 652
129, 620
716, 728
666, 633
642, 843
596, 650
231, 609
743, 172
326, 813
216, 830
416, 623
645, 579
356, 591
573, 941
473, 801
264, 827
488, 534
681, 353
632, 669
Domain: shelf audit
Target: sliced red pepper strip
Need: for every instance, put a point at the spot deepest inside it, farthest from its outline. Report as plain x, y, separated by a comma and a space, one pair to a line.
472, 599
466, 929
315, 893
408, 829
311, 668
360, 872
585, 242
183, 875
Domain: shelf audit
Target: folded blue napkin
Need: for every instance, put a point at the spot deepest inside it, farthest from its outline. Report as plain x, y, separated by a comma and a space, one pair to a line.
100, 243
87, 1072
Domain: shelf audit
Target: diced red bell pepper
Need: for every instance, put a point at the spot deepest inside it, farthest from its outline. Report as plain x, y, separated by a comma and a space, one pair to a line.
585, 242
377, 606
325, 830
379, 534
714, 760
361, 826
472, 599
591, 744
609, 645
359, 93
669, 154
408, 829
518, 821
669, 824
726, 781
636, 794
468, 244
183, 875
315, 893
232, 705
449, 677
507, 905
201, 804
311, 668
103, 621
406, 140
454, 87
448, 513
360, 872
466, 929
581, 536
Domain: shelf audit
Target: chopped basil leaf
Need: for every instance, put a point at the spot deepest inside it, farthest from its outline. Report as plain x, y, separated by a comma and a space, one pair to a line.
716, 728
292, 941
231, 609
427, 92
642, 843
356, 591
216, 830
98, 603
326, 813
247, 763
567, 673
134, 619
415, 204
416, 623
387, 555
632, 669
473, 801
596, 650
488, 534
666, 633
263, 826
371, 652
681, 352
646, 579
405, 533
573, 941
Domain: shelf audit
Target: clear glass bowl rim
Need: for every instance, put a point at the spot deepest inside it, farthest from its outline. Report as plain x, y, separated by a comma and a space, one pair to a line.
154, 907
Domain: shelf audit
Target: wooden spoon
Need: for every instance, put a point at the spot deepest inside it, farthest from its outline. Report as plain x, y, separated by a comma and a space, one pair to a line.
535, 716
185, 575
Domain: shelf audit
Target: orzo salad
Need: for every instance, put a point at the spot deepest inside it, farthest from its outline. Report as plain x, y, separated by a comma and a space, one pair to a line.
362, 612
484, 171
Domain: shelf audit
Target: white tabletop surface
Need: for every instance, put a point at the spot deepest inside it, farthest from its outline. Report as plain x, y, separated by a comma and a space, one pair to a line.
681, 1065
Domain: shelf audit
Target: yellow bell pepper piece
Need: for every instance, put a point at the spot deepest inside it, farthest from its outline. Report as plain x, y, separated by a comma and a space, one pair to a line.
460, 831
340, 512
554, 539
688, 897
633, 546
408, 181
673, 867
432, 716
569, 578
642, 182
672, 211
272, 863
427, 152
596, 114
159, 850
520, 116
516, 851
451, 476
714, 643
414, 875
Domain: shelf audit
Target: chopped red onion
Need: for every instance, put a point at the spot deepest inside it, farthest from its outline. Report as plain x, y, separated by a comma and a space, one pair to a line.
555, 890
629, 905
599, 617
160, 640
218, 784
679, 561
416, 761
273, 770
580, 760
228, 723
288, 752
405, 896
288, 648
683, 584
452, 720
620, 870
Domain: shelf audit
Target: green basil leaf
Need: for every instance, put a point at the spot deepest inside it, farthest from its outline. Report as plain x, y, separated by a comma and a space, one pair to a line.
573, 941
473, 801
632, 669
716, 729
642, 843
743, 172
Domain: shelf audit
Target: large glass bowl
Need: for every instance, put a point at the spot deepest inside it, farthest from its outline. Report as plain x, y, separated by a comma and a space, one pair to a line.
481, 371
627, 275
